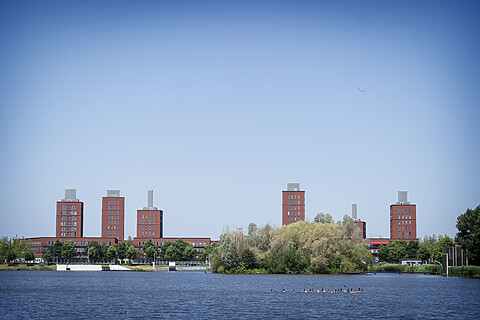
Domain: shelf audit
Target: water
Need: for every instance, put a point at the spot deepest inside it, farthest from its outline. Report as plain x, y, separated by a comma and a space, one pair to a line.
126, 295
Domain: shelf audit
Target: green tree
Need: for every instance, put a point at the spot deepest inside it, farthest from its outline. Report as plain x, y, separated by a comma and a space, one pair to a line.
47, 256
131, 253
29, 255
189, 253
111, 253
56, 250
228, 252
292, 259
121, 250
443, 241
68, 250
170, 251
412, 249
248, 259
150, 250
393, 252
95, 251
323, 218
20, 247
423, 253
468, 236
4, 249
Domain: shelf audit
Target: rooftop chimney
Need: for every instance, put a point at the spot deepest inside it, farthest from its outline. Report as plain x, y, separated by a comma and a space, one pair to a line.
150, 201
354, 211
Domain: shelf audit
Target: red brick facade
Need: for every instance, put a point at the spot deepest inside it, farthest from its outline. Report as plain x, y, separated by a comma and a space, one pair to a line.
362, 226
150, 224
403, 222
113, 217
69, 219
293, 207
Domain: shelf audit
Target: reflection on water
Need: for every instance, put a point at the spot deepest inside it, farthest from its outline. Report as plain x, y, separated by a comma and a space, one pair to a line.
43, 294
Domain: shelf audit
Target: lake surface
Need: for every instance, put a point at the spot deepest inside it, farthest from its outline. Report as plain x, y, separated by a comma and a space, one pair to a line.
126, 295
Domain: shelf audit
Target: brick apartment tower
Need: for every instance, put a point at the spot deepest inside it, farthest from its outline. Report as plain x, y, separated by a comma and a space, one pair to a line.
150, 220
113, 215
403, 219
293, 204
362, 225
69, 218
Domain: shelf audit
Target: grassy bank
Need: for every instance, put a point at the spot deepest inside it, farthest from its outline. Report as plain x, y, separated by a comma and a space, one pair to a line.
424, 268
24, 267
465, 271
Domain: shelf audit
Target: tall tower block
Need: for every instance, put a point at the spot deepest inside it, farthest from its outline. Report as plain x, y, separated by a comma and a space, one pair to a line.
150, 220
69, 217
403, 219
113, 215
293, 204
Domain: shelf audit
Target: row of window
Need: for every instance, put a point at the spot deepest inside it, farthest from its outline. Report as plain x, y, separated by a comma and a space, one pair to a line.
293, 207
148, 233
293, 219
144, 221
148, 227
113, 212
406, 228
409, 222
113, 201
113, 207
293, 196
69, 212
148, 216
68, 223
402, 234
81, 243
68, 207
68, 228
404, 211
404, 216
293, 201
161, 243
68, 234
68, 218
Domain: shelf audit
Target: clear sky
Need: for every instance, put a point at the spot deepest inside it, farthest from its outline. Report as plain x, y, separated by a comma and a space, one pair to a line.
216, 106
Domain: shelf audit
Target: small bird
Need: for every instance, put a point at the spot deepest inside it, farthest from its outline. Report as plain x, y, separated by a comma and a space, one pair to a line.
361, 89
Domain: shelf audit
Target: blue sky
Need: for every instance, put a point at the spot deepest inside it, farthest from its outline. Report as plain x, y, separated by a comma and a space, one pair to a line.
217, 106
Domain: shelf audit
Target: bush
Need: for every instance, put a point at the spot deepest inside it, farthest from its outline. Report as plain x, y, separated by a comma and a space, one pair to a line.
465, 271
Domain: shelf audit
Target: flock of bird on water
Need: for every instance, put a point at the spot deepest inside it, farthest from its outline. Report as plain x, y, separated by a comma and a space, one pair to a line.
350, 290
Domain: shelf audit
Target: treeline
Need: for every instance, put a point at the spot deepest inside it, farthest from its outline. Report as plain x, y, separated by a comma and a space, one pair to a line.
15, 248
429, 249
96, 252
101, 252
172, 251
301, 247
